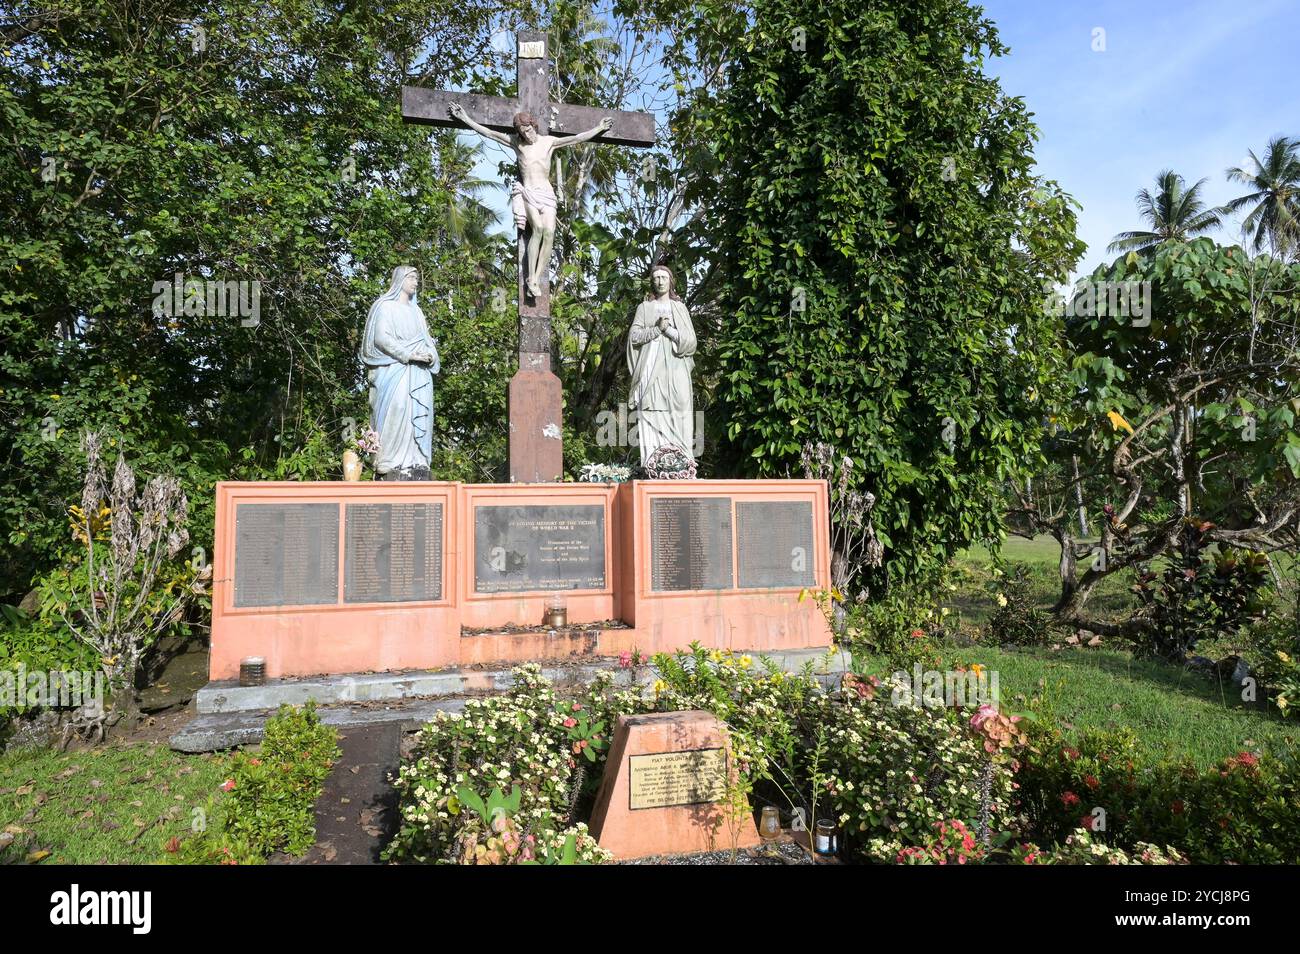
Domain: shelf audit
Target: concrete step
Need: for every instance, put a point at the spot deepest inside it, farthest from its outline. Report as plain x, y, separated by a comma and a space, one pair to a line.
231, 715
227, 695
227, 730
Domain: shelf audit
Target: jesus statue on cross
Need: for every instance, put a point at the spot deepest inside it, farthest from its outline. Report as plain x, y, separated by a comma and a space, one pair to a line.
534, 127
532, 198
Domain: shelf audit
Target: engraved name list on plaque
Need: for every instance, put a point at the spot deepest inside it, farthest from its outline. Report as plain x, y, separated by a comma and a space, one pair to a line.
392, 552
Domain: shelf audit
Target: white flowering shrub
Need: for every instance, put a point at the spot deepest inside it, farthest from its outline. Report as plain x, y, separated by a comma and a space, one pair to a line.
897, 771
1080, 848
551, 749
884, 771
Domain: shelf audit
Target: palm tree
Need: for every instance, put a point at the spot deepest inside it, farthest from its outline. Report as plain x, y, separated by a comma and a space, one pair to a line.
1275, 195
1176, 213
469, 219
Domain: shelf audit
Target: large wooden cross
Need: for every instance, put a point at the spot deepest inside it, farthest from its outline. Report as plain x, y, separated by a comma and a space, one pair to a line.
536, 398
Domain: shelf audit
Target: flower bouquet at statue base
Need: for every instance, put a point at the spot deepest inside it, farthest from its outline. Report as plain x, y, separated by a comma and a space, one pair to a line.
669, 462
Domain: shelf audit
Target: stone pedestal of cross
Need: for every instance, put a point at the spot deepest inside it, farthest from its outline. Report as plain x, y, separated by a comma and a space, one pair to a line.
536, 398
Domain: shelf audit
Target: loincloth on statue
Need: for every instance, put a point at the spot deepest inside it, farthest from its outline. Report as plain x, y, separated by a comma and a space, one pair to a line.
541, 199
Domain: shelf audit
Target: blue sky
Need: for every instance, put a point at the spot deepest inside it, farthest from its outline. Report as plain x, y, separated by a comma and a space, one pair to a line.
1185, 85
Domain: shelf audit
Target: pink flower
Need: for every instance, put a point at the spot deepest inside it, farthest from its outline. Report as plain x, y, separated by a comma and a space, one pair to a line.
982, 715
570, 723
577, 707
228, 785
625, 659
1069, 798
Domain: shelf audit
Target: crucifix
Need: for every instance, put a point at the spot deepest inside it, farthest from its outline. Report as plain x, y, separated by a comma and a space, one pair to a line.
533, 126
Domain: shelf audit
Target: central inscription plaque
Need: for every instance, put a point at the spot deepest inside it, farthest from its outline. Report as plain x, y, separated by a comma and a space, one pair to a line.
690, 543
666, 779
524, 549
286, 554
392, 553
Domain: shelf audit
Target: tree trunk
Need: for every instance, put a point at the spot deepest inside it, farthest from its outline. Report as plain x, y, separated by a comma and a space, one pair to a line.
1078, 496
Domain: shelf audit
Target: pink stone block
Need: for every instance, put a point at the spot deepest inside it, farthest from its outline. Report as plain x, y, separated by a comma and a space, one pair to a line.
681, 758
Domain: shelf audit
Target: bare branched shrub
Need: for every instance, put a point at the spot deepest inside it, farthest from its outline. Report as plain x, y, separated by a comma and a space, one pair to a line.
117, 608
854, 546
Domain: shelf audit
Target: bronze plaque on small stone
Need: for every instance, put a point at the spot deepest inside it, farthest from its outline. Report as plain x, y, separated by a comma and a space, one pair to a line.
392, 552
774, 544
286, 554
539, 548
690, 543
666, 779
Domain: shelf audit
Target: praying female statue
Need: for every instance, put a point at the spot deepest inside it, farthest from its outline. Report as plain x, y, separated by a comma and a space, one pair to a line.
660, 346
401, 359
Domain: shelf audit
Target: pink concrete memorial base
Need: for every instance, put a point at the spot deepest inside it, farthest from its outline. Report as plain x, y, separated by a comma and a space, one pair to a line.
339, 578
665, 789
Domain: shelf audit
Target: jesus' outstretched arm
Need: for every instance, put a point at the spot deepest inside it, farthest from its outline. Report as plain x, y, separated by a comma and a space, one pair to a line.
605, 125
458, 112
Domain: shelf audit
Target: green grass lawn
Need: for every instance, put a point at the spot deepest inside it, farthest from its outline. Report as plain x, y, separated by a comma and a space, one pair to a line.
1175, 713
114, 805
972, 573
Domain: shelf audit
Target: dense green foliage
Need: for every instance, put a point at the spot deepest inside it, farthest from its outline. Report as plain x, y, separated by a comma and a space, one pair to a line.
880, 768
1183, 407
504, 781
271, 795
881, 248
1241, 811
275, 154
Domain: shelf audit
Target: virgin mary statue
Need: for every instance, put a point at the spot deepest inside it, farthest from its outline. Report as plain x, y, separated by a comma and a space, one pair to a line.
400, 360
660, 359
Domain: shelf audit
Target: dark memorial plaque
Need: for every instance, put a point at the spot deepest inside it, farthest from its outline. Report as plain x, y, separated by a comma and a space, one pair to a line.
546, 547
286, 554
774, 543
690, 543
392, 552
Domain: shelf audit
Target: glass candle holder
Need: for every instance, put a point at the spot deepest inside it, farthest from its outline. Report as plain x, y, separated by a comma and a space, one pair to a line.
252, 671
824, 840
557, 613
769, 825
